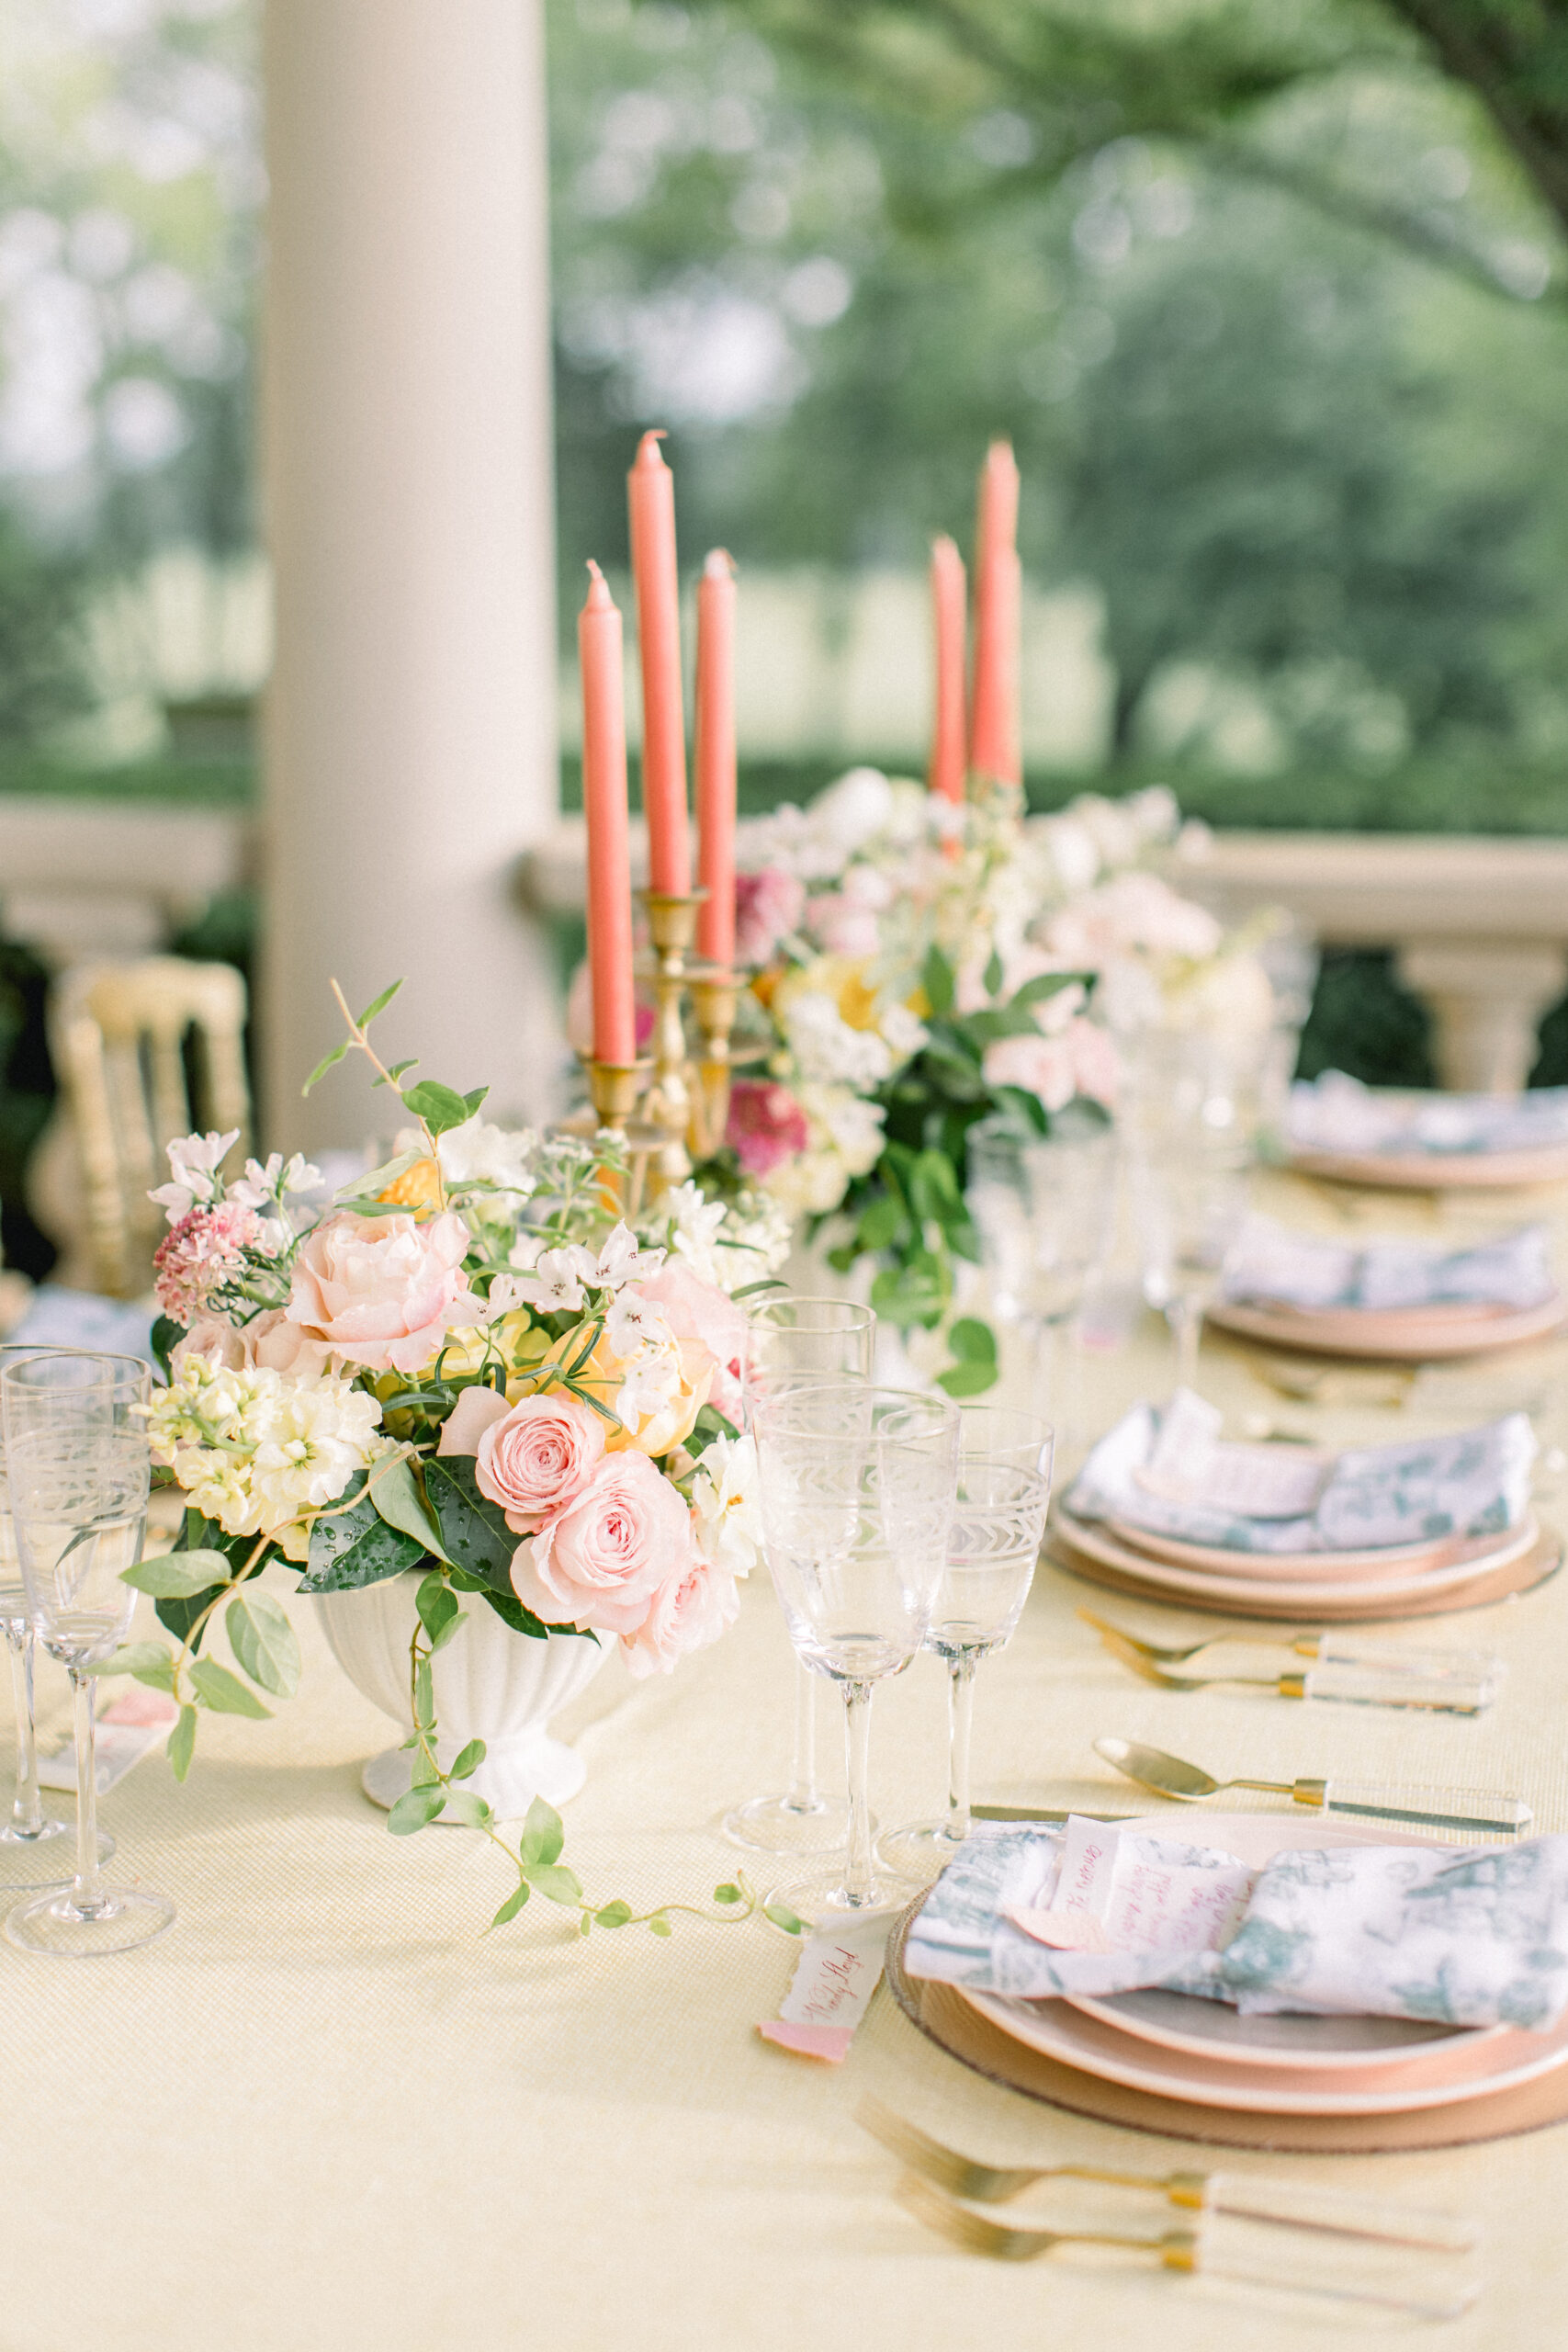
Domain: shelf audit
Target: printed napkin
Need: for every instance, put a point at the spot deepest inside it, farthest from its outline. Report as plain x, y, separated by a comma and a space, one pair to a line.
1271, 1265
1338, 1113
1464, 1936
1167, 1470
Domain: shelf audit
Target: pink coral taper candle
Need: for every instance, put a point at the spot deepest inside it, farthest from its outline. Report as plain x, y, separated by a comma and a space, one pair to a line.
949, 753
715, 758
651, 497
605, 808
995, 730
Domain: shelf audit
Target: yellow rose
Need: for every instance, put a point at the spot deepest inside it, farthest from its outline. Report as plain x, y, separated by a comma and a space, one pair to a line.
841, 977
604, 1373
417, 1188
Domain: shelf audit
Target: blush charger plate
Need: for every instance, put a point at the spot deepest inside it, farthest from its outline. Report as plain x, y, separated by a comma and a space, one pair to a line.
1408, 1335
1301, 1592
1437, 1171
1474, 1551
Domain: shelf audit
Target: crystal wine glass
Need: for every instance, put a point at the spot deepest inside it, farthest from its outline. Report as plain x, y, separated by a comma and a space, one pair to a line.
857, 1491
33, 1849
77, 1462
999, 1525
1190, 1206
794, 1341
1043, 1205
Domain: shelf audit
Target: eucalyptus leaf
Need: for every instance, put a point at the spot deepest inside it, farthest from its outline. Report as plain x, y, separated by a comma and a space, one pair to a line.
377, 1004
327, 1062
726, 1894
970, 1379
139, 1659
510, 1907
782, 1917
438, 1105
224, 1693
469, 1758
415, 1810
182, 1743
544, 1833
376, 1179
263, 1641
555, 1882
659, 1925
177, 1575
973, 1342
453, 1625
464, 1805
613, 1914
436, 1602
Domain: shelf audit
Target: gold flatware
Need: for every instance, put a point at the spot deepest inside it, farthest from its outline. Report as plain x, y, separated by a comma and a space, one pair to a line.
1378, 1682
1477, 1812
1331, 1648
1176, 2249
1301, 2205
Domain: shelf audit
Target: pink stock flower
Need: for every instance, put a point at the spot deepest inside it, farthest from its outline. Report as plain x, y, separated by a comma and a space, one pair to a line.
204, 1250
382, 1291
766, 1125
1132, 914
697, 1310
601, 1563
843, 926
1095, 1064
1040, 1065
538, 1457
768, 908
687, 1615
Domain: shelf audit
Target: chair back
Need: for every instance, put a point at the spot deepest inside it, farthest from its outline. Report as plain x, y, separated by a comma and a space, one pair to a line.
144, 1051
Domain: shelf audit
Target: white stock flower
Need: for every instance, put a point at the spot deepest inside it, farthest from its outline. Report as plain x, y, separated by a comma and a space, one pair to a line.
649, 1386
827, 1049
320, 1433
194, 1161
253, 1448
696, 1228
727, 1520
903, 1030
633, 1323
555, 1286
478, 1153
621, 1259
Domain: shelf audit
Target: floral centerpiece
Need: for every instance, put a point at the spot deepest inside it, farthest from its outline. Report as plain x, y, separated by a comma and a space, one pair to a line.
465, 1369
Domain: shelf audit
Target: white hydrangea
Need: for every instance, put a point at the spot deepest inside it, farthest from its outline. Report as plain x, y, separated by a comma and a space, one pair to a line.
253, 1449
727, 1519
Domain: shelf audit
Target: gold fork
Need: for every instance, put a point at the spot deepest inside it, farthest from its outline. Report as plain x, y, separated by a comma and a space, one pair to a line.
1454, 1683
1176, 2249
1303, 1644
1301, 2204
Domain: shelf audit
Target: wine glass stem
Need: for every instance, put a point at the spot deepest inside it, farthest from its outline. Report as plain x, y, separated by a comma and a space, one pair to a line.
1046, 1353
1187, 1322
88, 1895
803, 1796
960, 1669
26, 1806
859, 1883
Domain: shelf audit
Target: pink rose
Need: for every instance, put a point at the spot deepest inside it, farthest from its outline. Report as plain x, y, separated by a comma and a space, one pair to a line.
538, 1458
768, 908
686, 1616
1095, 1065
1040, 1065
382, 1291
268, 1339
843, 926
695, 1311
475, 1410
601, 1562
766, 1125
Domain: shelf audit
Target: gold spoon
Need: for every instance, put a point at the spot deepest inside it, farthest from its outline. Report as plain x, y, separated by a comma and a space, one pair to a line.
1474, 1811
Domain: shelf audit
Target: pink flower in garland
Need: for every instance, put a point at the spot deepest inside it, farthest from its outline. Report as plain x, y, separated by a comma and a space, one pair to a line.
768, 906
766, 1125
204, 1250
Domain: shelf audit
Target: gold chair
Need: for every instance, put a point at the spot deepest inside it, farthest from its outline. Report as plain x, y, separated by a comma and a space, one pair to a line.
118, 1033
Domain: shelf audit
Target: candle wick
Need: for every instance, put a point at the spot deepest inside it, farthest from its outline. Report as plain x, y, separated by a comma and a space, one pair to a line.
720, 564
647, 450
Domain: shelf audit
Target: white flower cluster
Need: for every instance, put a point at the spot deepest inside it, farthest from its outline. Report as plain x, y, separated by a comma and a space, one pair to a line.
195, 1162
253, 1450
727, 1518
727, 1243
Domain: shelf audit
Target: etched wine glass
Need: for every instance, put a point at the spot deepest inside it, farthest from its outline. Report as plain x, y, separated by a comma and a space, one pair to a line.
34, 1845
1043, 1207
792, 1342
999, 1525
857, 1487
77, 1463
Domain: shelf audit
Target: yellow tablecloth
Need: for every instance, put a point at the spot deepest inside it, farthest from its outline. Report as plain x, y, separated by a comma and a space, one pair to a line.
325, 2111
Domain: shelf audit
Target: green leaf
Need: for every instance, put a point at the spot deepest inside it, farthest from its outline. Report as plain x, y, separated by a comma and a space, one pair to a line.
782, 1917
659, 1925
176, 1576
139, 1659
936, 977
883, 1224
474, 1097
437, 1604
613, 1914
468, 1760
1049, 984
424, 1697
973, 1342
378, 1180
996, 972
166, 1337
182, 1743
415, 1810
474, 1533
453, 1625
224, 1693
438, 1105
969, 1379
395, 1071
377, 1004
396, 1494
464, 1805
510, 1907
354, 1547
726, 1894
423, 1773
327, 1062
555, 1882
263, 1641
544, 1834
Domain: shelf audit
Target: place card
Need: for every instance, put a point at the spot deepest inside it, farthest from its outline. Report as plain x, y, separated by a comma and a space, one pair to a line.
834, 1979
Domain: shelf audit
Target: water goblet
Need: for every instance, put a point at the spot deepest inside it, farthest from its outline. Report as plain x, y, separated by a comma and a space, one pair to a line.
857, 1488
1192, 1207
77, 1462
794, 1341
999, 1525
1043, 1205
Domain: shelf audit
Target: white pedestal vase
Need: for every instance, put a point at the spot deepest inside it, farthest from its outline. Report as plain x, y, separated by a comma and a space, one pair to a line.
490, 1684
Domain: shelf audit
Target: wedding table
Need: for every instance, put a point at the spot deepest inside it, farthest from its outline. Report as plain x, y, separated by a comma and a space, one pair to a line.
325, 2109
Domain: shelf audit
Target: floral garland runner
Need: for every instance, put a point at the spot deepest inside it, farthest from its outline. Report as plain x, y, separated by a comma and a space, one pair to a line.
466, 1366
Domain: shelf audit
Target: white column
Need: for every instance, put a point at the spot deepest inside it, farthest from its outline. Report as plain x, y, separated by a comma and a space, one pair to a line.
410, 726
1486, 998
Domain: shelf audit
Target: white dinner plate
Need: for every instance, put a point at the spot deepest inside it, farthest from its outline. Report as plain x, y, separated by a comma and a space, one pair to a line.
1305, 1593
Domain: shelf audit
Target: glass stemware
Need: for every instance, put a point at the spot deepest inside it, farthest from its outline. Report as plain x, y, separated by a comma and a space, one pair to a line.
792, 1342
999, 1525
857, 1492
77, 1463
1192, 1207
1043, 1207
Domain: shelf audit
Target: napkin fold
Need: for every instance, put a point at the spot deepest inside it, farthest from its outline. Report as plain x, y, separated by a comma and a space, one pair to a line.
1168, 1471
1335, 1112
1269, 1265
1462, 1936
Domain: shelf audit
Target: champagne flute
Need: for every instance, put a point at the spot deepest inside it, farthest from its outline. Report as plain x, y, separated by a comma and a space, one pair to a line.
77, 1461
794, 1341
857, 1491
999, 1525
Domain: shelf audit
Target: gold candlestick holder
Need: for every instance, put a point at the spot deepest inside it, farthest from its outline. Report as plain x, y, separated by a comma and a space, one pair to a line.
667, 1107
714, 999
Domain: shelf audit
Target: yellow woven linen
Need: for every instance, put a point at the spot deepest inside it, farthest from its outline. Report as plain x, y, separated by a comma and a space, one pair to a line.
325, 2114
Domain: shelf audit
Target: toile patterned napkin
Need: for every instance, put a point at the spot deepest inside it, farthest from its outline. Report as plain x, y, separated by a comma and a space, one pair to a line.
1165, 1469
1338, 1113
1269, 1265
1463, 1936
